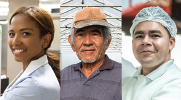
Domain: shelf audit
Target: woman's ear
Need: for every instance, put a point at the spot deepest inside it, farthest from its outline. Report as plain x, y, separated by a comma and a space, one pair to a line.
46, 40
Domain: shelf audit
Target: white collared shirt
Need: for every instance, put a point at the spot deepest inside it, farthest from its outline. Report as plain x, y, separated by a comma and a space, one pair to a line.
164, 83
37, 82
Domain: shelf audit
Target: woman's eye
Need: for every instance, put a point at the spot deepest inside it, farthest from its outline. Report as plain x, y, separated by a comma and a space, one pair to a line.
25, 33
11, 34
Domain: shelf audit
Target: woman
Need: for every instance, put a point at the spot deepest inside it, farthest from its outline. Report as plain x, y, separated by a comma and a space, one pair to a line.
31, 32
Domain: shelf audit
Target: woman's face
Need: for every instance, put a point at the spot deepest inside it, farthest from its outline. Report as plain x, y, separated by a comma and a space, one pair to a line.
24, 39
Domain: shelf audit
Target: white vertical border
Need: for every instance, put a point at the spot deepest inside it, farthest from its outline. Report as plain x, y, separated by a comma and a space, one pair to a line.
0, 52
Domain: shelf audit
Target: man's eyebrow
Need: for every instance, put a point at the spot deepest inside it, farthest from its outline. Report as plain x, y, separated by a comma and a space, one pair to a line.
138, 32
151, 31
154, 31
79, 30
96, 30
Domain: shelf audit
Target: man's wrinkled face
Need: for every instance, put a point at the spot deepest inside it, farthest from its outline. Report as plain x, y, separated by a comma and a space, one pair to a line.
151, 44
89, 43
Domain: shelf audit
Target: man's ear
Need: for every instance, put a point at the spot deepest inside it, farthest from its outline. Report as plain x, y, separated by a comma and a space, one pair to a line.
72, 46
46, 40
109, 41
172, 43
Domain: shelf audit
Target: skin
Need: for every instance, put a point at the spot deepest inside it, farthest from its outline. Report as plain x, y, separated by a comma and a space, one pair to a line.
151, 45
24, 35
88, 45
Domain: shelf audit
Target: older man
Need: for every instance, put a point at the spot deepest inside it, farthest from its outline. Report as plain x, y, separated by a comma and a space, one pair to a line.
96, 77
153, 33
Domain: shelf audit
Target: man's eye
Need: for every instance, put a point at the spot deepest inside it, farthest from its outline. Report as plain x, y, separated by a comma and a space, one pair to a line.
155, 36
11, 34
25, 33
139, 36
80, 34
94, 34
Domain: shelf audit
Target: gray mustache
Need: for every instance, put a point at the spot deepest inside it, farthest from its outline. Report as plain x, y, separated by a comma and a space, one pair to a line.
87, 48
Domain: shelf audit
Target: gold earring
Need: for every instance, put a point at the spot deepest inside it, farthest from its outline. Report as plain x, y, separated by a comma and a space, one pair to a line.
44, 45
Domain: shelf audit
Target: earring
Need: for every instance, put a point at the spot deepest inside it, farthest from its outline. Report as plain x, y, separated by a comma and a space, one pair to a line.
44, 45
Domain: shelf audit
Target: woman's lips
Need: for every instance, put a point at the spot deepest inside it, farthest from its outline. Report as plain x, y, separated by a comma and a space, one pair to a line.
18, 51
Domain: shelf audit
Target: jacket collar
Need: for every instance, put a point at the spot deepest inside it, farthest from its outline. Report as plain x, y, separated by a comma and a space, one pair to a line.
157, 72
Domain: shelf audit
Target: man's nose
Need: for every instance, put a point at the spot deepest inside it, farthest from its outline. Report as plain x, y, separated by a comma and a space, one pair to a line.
87, 40
147, 40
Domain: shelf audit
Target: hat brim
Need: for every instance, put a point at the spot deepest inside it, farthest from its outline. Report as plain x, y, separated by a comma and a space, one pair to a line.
91, 22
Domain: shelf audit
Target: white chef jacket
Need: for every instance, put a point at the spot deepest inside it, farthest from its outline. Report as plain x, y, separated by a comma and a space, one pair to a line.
128, 69
37, 82
164, 83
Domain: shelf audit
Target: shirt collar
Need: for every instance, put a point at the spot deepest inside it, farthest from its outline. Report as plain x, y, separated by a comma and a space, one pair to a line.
34, 65
107, 64
157, 72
